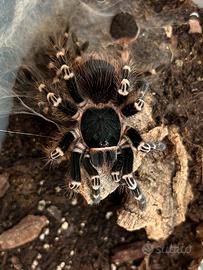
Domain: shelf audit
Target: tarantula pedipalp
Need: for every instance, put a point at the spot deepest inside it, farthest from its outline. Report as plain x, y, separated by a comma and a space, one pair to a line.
94, 108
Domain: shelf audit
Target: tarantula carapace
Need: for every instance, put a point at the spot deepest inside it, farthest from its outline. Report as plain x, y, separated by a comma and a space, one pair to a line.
94, 106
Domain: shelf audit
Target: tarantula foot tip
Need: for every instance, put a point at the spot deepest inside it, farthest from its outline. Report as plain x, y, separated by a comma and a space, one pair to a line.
96, 199
74, 186
123, 93
142, 204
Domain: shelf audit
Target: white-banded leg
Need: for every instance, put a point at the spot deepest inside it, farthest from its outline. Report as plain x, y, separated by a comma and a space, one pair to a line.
133, 186
62, 105
116, 171
75, 161
128, 177
69, 76
95, 179
125, 83
63, 145
134, 107
139, 103
148, 147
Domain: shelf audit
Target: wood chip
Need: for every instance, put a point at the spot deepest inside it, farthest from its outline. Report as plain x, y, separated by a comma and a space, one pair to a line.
24, 232
128, 253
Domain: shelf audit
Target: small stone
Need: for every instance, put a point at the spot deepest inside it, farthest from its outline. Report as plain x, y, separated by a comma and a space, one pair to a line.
62, 264
56, 239
72, 253
59, 231
42, 237
168, 30
46, 246
82, 224
46, 232
27, 230
65, 226
41, 205
34, 264
179, 63
113, 266
58, 189
108, 215
39, 256
74, 202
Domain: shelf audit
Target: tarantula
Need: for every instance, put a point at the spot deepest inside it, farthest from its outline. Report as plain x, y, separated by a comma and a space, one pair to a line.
94, 105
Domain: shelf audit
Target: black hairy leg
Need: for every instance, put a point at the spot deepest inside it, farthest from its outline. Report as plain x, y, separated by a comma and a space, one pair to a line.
75, 162
134, 137
129, 178
63, 145
125, 83
94, 176
116, 172
61, 62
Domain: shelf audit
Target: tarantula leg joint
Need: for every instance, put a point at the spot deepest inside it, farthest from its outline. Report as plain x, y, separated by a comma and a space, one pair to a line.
115, 177
67, 72
74, 185
57, 153
125, 84
139, 104
60, 53
130, 181
96, 182
51, 97
41, 87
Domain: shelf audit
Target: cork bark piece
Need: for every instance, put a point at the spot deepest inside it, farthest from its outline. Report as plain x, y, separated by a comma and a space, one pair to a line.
164, 181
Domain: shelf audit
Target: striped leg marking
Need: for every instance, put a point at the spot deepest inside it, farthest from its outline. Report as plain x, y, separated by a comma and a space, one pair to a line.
147, 147
125, 83
75, 166
53, 99
132, 185
95, 179
117, 168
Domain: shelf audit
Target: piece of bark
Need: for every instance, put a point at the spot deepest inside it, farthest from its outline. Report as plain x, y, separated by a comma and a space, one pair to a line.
27, 230
164, 182
128, 253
